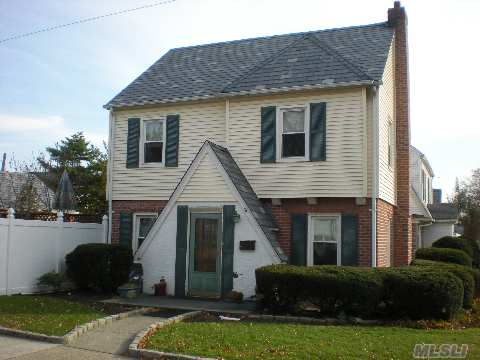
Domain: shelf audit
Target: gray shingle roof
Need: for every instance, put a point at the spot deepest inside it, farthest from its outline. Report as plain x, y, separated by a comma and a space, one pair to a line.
258, 211
318, 58
443, 211
12, 185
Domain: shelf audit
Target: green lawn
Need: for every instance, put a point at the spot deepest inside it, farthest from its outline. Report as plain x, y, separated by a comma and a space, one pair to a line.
42, 314
286, 341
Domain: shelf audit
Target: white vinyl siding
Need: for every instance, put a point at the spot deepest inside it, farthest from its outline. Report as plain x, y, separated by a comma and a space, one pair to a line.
341, 175
386, 116
207, 184
199, 121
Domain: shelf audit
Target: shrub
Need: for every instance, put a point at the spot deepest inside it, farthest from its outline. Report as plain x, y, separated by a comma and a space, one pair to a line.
453, 242
52, 279
475, 251
414, 292
466, 274
418, 293
335, 290
99, 266
443, 254
475, 273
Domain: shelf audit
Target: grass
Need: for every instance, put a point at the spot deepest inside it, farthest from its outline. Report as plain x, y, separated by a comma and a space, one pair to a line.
245, 340
42, 314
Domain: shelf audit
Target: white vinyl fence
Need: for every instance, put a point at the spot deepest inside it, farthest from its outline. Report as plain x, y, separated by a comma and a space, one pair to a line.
31, 248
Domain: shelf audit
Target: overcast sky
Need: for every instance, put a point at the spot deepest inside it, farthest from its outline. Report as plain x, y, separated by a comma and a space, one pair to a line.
55, 83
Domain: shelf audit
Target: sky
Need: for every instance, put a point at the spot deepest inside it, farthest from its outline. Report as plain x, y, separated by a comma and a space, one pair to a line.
55, 83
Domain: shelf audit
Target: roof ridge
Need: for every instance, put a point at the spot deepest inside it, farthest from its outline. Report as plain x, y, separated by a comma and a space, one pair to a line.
262, 63
325, 47
300, 33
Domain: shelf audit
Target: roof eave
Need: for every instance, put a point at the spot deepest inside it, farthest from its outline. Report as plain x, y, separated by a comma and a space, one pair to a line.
217, 96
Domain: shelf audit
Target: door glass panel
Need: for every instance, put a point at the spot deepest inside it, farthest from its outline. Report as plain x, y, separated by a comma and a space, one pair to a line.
205, 257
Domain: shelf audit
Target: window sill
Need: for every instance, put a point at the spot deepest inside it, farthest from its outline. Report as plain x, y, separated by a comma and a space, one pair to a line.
152, 165
293, 159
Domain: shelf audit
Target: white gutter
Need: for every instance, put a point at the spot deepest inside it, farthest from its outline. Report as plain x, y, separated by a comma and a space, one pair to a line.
110, 172
375, 173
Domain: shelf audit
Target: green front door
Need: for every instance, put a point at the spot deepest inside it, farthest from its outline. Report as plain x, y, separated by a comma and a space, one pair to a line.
204, 255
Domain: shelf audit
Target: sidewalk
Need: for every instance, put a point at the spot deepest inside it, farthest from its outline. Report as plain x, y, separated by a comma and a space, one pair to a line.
168, 302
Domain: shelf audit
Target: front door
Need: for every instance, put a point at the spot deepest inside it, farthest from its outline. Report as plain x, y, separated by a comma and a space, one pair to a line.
204, 259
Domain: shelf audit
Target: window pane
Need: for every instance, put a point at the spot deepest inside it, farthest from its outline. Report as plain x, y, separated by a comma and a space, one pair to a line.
324, 229
293, 145
205, 257
153, 130
153, 152
293, 121
145, 223
324, 253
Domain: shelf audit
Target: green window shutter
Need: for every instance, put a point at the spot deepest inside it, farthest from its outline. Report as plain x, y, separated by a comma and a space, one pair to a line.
299, 240
171, 148
228, 248
133, 143
125, 231
349, 240
268, 145
181, 252
318, 131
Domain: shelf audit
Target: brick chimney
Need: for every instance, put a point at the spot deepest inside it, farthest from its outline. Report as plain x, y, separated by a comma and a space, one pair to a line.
403, 245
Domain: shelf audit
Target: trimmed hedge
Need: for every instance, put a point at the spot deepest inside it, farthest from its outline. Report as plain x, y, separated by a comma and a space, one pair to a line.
99, 266
452, 242
454, 268
418, 293
413, 292
333, 289
444, 254
476, 251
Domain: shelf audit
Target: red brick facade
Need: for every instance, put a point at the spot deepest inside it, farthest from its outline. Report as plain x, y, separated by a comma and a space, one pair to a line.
282, 214
132, 206
403, 244
385, 216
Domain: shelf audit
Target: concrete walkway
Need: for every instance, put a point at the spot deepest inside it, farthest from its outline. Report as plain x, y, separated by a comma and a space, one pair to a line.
168, 302
104, 343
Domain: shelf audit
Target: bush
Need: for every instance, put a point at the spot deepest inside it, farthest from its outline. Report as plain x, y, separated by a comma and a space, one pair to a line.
99, 266
52, 279
453, 242
414, 292
444, 254
418, 293
475, 273
467, 275
335, 290
475, 251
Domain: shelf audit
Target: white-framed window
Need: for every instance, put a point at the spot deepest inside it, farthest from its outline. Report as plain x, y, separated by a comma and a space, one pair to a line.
152, 147
142, 224
324, 239
391, 143
293, 134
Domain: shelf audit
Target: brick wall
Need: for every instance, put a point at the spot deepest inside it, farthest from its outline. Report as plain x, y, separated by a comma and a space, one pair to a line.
397, 18
385, 213
283, 212
132, 206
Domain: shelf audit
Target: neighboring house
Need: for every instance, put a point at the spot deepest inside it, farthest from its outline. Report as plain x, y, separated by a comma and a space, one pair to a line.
24, 191
431, 219
290, 148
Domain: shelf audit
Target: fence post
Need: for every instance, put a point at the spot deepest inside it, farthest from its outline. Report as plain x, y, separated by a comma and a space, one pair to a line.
105, 229
59, 242
11, 218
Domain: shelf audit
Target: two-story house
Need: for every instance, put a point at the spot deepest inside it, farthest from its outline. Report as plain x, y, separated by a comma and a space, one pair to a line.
431, 219
291, 148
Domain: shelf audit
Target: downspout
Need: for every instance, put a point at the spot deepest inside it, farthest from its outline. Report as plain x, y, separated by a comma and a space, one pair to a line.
227, 122
375, 180
110, 172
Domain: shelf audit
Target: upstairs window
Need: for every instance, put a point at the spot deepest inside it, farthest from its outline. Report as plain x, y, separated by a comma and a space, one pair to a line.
293, 133
153, 141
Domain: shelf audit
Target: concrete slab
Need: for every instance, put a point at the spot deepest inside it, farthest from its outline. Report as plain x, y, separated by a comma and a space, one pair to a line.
114, 338
11, 347
68, 353
168, 302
